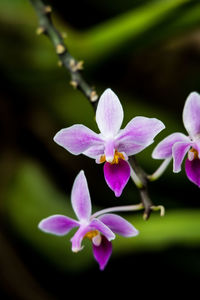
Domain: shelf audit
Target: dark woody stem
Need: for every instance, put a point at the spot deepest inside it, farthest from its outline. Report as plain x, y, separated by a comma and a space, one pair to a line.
143, 187
74, 67
65, 58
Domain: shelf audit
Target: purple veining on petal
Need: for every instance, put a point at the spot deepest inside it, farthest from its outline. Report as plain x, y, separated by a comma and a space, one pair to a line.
97, 224
95, 151
191, 113
77, 138
140, 130
130, 147
80, 197
102, 252
109, 113
192, 169
119, 225
164, 148
117, 176
57, 224
179, 151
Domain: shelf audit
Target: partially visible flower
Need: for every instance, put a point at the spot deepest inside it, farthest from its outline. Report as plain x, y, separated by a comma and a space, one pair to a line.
111, 145
99, 230
177, 145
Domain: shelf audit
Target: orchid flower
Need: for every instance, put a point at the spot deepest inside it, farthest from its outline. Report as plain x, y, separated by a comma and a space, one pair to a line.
100, 230
177, 145
111, 145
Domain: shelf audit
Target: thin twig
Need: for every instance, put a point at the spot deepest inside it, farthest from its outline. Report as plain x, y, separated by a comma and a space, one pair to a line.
66, 59
143, 189
118, 209
160, 170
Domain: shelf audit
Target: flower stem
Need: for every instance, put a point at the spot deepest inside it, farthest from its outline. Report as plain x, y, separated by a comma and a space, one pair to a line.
66, 60
160, 170
142, 185
136, 179
118, 208
160, 208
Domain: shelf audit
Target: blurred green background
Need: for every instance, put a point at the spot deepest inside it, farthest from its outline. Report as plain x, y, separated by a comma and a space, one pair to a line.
148, 52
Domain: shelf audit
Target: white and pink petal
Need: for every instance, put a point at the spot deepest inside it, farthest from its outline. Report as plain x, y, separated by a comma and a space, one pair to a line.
164, 149
109, 114
57, 224
80, 197
138, 134
119, 225
95, 151
77, 139
179, 151
191, 113
97, 224
130, 147
77, 238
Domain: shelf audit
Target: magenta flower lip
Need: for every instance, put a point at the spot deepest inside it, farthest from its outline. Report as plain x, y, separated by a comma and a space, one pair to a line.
100, 230
177, 144
112, 145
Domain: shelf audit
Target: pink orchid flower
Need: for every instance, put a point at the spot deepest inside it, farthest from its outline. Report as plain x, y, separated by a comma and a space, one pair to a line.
177, 145
111, 145
100, 228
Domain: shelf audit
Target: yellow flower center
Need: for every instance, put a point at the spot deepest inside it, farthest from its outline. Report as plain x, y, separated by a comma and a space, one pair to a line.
91, 234
192, 154
116, 158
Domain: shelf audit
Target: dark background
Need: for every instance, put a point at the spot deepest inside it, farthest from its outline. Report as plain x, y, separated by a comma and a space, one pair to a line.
148, 52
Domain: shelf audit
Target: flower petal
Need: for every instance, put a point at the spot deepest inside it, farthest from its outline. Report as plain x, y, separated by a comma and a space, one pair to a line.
191, 113
179, 151
119, 225
57, 224
77, 138
192, 169
102, 252
164, 148
95, 151
80, 197
109, 113
117, 176
96, 224
138, 134
130, 147
78, 237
